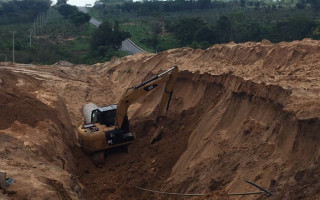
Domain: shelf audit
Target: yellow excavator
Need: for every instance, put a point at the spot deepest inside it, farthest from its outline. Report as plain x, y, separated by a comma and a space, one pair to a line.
108, 126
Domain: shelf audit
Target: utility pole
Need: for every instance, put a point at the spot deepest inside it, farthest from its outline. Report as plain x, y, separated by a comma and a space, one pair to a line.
38, 21
34, 28
44, 18
48, 15
30, 37
13, 32
41, 20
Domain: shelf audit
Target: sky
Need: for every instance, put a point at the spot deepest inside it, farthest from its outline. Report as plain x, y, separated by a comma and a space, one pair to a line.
78, 2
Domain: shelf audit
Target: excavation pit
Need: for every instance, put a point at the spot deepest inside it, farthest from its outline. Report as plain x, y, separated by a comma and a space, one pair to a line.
234, 116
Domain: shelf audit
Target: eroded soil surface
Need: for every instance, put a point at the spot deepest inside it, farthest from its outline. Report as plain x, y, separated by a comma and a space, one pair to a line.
239, 112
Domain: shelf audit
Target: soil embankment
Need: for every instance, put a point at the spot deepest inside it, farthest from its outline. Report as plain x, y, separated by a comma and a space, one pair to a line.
36, 137
239, 112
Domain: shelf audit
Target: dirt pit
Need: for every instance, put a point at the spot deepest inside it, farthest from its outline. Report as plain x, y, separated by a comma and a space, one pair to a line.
239, 112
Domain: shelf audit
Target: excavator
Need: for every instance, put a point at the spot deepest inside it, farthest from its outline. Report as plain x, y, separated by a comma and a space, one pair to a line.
108, 126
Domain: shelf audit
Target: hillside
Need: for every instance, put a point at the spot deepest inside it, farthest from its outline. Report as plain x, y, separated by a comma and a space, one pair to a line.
239, 112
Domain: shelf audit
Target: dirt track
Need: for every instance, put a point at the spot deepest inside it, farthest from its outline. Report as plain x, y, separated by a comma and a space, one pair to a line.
239, 111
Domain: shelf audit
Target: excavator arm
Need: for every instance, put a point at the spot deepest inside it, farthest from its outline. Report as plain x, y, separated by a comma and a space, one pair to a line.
133, 93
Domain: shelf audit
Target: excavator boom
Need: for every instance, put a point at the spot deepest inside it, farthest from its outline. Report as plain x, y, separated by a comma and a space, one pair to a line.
133, 93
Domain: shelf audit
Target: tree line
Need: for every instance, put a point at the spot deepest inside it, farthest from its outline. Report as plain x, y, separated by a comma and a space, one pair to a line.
88, 44
72, 13
152, 7
16, 11
196, 33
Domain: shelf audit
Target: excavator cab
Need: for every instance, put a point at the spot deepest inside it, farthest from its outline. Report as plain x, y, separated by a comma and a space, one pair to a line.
100, 123
104, 115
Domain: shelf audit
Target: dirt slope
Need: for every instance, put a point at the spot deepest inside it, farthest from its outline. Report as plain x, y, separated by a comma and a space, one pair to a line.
36, 137
239, 112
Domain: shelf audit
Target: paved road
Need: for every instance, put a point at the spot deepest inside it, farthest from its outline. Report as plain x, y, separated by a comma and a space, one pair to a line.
127, 45
83, 9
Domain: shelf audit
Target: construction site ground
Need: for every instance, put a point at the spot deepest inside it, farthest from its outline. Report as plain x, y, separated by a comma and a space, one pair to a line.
239, 112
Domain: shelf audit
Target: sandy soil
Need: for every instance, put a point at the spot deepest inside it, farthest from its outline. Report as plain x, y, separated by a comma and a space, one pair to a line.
239, 112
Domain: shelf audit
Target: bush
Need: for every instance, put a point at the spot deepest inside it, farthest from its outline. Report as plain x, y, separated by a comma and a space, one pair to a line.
108, 36
67, 10
80, 18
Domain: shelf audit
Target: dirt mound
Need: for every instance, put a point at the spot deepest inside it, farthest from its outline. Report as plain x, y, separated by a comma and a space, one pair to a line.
259, 111
35, 139
239, 112
63, 63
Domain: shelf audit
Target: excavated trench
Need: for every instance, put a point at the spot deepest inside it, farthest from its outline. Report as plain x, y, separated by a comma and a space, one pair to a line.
220, 130
245, 133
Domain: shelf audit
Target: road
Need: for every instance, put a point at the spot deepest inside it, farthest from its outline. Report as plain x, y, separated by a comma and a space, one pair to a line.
126, 46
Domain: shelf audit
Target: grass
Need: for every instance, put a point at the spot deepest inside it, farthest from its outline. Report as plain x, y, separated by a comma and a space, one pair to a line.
138, 33
168, 42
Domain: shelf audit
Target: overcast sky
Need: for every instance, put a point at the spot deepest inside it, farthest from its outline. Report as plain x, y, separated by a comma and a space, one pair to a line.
78, 2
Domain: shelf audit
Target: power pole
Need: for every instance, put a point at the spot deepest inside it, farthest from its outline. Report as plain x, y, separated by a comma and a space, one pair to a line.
13, 32
41, 20
44, 19
38, 21
34, 28
30, 37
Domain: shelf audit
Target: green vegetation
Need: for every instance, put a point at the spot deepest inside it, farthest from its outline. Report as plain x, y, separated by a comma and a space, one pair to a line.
107, 39
57, 40
72, 13
22, 11
57, 34
161, 25
62, 32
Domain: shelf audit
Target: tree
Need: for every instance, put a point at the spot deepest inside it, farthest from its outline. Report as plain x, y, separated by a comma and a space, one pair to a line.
22, 11
156, 28
204, 4
80, 18
9, 7
61, 2
186, 28
106, 37
257, 4
67, 10
153, 42
39, 5
205, 34
295, 28
315, 4
243, 3
223, 29
300, 5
